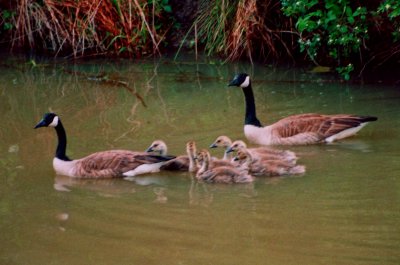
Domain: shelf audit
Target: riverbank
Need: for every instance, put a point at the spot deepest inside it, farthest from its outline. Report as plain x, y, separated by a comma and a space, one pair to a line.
348, 38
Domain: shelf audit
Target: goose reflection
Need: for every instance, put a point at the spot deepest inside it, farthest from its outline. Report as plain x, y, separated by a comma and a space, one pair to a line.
104, 187
203, 194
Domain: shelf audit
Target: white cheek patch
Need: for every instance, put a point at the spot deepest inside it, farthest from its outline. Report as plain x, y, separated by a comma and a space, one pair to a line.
246, 82
54, 123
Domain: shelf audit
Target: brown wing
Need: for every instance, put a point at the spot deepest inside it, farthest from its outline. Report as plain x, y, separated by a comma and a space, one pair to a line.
113, 163
180, 163
320, 126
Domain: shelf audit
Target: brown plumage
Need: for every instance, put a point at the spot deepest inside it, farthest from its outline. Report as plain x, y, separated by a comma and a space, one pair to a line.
297, 129
267, 153
191, 151
261, 166
113, 163
313, 128
214, 173
106, 164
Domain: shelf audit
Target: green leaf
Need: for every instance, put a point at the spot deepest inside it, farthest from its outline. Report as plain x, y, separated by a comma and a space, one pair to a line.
7, 26
350, 19
167, 8
331, 16
349, 13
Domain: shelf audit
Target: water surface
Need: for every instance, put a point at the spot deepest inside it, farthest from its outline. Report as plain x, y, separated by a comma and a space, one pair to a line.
344, 210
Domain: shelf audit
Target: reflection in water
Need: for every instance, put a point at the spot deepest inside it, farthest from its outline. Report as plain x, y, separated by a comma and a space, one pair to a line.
160, 195
203, 194
62, 218
146, 180
199, 194
103, 187
353, 144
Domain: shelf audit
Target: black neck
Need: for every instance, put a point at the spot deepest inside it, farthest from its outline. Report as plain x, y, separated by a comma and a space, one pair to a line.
62, 142
250, 116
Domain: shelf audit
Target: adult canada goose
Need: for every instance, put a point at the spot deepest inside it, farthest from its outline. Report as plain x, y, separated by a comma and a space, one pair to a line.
299, 129
265, 167
106, 164
224, 142
179, 163
267, 153
220, 174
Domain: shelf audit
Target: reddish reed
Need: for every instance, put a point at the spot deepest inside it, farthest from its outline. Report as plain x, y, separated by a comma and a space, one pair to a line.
87, 27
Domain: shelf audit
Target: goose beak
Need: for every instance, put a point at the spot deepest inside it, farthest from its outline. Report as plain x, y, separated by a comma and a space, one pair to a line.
235, 158
213, 145
229, 150
234, 82
149, 150
40, 124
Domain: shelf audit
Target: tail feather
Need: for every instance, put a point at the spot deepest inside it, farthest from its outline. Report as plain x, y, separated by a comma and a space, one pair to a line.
368, 118
299, 169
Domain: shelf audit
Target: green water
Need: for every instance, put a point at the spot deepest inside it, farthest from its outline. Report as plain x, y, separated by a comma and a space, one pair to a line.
344, 210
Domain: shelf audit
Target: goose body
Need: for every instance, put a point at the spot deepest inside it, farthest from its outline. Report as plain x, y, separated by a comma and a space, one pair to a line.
105, 164
179, 163
213, 173
261, 166
302, 129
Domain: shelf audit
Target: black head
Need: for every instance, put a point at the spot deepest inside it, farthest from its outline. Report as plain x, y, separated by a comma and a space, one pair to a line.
240, 80
48, 120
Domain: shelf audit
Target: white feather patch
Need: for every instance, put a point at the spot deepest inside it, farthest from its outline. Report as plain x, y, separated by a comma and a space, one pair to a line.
246, 82
66, 168
143, 169
345, 133
258, 135
54, 123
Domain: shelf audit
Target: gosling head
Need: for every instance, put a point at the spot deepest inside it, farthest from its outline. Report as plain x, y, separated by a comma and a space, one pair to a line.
236, 145
240, 80
221, 141
243, 155
48, 120
158, 146
203, 156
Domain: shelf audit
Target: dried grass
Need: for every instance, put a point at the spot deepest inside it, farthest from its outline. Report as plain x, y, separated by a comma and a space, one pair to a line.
96, 26
238, 28
250, 34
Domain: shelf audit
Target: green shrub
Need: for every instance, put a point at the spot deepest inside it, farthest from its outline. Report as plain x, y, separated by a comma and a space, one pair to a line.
391, 8
332, 28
